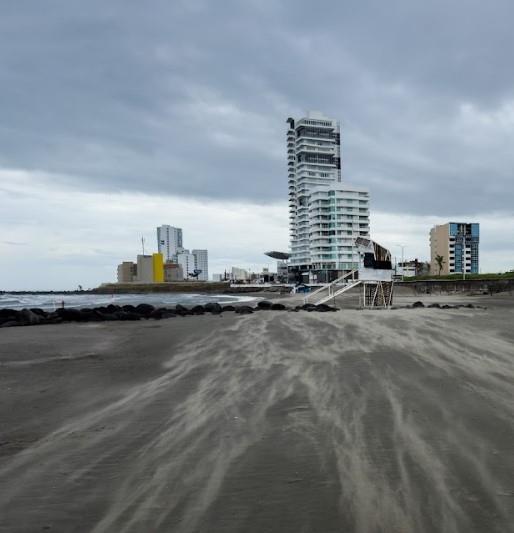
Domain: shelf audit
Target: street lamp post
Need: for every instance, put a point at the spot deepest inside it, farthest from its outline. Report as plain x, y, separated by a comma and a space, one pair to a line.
402, 246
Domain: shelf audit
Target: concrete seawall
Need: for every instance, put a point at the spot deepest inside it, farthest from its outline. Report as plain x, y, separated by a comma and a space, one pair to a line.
474, 286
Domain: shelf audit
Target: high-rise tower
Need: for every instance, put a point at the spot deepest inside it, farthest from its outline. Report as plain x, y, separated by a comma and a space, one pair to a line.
313, 160
169, 241
325, 215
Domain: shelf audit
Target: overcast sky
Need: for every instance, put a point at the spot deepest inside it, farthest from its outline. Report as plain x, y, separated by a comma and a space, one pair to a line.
118, 116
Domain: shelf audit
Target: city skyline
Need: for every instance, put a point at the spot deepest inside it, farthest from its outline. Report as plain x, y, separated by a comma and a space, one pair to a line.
114, 115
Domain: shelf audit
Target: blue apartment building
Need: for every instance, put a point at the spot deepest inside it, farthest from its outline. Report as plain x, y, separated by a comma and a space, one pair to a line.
458, 244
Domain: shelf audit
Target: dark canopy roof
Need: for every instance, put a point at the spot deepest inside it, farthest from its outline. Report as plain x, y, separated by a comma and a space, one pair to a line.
278, 255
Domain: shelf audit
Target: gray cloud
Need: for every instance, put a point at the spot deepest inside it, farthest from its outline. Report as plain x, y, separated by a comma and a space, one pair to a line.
190, 97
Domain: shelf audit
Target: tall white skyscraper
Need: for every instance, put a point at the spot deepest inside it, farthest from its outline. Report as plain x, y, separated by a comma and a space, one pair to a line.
169, 242
202, 263
324, 216
313, 160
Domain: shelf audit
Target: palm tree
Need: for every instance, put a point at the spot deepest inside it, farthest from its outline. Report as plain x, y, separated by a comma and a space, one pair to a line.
439, 259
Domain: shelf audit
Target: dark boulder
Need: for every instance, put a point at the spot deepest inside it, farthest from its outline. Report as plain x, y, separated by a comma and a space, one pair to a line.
38, 311
111, 308
214, 308
11, 316
108, 317
308, 307
418, 304
198, 310
10, 324
53, 318
129, 308
228, 308
180, 310
69, 315
144, 309
8, 312
264, 305
434, 306
244, 310
162, 312
156, 314
125, 315
88, 315
278, 307
324, 308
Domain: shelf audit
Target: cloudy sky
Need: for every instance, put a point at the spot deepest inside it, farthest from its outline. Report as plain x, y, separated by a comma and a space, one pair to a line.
117, 116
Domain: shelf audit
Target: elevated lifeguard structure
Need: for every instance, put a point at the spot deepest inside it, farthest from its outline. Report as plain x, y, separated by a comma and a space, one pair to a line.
375, 274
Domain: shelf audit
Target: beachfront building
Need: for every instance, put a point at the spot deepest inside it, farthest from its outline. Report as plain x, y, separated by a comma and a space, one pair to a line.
127, 272
144, 269
407, 268
337, 215
457, 243
201, 258
412, 267
150, 268
187, 261
239, 274
313, 160
173, 272
169, 241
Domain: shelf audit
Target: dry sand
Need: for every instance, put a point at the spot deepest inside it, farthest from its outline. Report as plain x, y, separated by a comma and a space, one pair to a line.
365, 421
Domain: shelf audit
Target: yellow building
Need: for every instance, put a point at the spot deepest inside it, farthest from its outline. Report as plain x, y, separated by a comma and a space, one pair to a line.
158, 268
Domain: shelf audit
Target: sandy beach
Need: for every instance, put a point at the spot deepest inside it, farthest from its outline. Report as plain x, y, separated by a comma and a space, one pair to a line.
355, 421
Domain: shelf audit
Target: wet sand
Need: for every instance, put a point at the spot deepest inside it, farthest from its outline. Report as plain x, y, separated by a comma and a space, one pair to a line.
365, 421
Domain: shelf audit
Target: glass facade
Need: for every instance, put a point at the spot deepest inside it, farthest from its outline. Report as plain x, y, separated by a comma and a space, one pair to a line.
464, 245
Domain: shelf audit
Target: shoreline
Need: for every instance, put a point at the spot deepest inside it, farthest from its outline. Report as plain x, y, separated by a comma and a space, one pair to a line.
482, 285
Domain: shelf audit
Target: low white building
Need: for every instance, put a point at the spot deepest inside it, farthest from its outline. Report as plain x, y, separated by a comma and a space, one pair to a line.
144, 268
337, 215
202, 263
407, 268
187, 261
239, 274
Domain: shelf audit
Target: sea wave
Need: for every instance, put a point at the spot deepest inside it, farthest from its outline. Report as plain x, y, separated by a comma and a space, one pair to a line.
55, 300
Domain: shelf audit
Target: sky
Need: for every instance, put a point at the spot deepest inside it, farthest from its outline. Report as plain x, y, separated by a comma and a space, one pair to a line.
119, 116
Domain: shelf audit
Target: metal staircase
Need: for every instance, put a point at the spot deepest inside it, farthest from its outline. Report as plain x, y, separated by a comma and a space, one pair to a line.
337, 287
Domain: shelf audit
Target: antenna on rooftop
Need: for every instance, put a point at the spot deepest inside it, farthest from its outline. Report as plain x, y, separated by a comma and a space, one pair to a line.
143, 244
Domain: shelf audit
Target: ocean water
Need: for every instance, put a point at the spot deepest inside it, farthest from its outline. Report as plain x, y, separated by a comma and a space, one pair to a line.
53, 301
